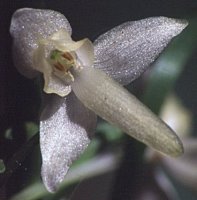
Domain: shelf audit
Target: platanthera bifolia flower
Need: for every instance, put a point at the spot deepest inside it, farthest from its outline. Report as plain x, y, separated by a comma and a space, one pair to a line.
84, 78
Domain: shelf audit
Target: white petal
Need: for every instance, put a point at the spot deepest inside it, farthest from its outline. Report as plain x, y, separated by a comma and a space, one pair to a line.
65, 131
113, 103
127, 50
29, 25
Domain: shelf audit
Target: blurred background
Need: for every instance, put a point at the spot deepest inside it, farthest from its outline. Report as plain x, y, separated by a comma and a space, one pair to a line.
115, 166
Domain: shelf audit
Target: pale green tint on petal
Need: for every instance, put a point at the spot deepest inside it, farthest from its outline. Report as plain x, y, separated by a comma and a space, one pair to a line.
116, 105
27, 27
84, 48
66, 128
82, 51
126, 51
63, 42
52, 84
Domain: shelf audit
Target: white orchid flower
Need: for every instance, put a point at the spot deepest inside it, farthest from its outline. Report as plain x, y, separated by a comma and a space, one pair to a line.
84, 78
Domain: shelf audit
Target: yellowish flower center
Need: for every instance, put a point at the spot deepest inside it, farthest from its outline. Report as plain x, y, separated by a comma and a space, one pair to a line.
62, 64
60, 59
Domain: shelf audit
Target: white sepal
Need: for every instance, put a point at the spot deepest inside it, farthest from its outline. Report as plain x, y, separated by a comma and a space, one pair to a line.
116, 105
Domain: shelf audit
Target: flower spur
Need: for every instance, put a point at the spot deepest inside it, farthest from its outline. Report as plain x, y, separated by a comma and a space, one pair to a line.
82, 80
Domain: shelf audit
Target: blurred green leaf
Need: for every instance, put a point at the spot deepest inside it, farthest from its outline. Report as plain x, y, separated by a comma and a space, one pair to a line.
8, 134
2, 166
111, 133
31, 129
33, 192
94, 167
90, 152
169, 66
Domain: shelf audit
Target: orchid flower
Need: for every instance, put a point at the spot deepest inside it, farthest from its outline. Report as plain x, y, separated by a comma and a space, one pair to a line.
83, 79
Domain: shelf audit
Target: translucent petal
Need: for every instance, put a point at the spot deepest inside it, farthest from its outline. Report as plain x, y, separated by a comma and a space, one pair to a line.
127, 50
112, 102
65, 131
86, 53
53, 84
27, 27
84, 48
